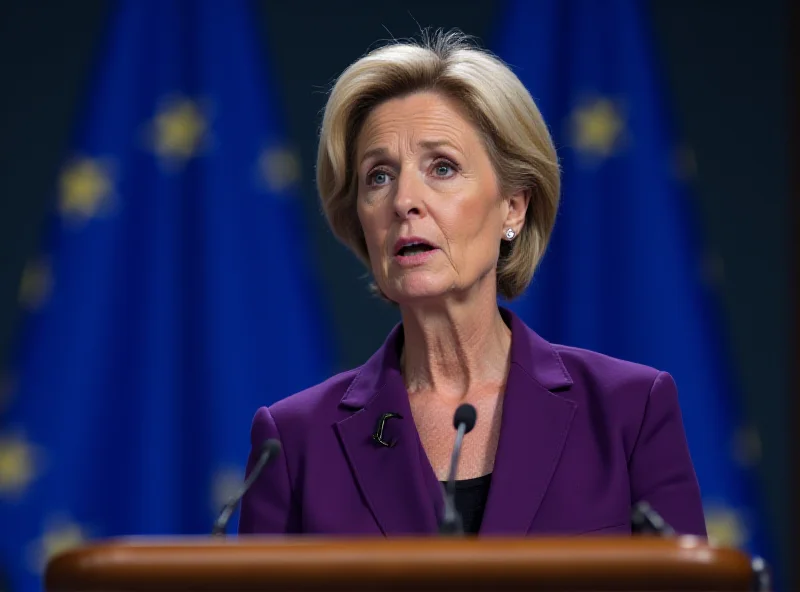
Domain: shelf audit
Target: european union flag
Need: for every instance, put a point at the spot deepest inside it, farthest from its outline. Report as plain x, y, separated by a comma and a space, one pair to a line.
174, 295
625, 273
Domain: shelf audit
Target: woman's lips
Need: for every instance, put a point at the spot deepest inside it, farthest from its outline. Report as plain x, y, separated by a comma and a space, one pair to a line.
415, 259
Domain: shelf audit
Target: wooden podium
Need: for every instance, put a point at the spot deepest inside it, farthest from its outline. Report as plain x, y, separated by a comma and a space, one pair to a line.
393, 565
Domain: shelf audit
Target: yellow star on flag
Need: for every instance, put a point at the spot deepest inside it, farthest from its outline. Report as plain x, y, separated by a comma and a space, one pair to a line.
725, 526
60, 534
19, 465
36, 284
178, 131
280, 168
86, 188
596, 128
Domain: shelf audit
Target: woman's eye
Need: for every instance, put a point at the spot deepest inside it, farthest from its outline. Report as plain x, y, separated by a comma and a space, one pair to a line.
378, 178
444, 169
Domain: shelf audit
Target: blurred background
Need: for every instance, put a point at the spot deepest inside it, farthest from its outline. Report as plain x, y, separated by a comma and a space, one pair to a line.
165, 268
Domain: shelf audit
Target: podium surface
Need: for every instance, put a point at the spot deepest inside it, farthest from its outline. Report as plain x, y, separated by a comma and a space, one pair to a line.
398, 564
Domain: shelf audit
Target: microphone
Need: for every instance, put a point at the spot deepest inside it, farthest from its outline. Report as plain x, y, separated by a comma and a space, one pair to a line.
463, 422
269, 449
645, 520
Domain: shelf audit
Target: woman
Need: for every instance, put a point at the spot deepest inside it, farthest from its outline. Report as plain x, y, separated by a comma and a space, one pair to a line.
436, 168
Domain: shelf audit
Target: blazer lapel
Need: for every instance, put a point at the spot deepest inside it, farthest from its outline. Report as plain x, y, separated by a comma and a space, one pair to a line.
392, 478
533, 431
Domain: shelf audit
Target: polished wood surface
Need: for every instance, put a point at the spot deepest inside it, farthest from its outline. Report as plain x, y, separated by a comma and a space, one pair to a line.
284, 564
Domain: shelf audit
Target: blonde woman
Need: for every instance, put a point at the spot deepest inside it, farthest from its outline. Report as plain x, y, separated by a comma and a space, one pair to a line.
436, 168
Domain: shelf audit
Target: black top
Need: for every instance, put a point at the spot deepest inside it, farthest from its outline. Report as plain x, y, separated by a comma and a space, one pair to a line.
471, 495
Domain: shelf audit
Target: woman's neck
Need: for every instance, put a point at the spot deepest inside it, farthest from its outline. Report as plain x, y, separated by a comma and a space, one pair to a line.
455, 349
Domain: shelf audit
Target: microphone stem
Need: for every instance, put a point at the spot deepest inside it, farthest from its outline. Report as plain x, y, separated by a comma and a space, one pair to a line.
253, 474
451, 524
451, 481
224, 517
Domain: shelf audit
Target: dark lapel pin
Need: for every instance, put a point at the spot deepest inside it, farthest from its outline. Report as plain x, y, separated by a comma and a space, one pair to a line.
378, 435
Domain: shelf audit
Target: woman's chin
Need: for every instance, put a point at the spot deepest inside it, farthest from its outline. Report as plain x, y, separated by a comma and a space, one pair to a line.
417, 290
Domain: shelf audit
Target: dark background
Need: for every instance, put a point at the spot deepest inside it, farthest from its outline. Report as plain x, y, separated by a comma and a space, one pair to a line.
727, 65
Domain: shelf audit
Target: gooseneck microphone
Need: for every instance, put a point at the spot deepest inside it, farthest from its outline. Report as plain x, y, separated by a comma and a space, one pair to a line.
645, 520
269, 449
463, 421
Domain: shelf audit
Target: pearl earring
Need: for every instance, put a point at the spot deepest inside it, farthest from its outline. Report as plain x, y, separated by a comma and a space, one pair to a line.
510, 234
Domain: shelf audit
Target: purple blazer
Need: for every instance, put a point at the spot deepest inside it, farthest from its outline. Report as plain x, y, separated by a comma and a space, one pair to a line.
583, 437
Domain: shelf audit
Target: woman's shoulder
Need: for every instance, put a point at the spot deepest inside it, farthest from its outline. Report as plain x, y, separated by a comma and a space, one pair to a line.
318, 402
623, 389
573, 369
628, 396
593, 366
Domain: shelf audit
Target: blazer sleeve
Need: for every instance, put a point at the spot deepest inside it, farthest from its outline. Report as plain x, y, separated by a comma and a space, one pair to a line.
661, 469
267, 508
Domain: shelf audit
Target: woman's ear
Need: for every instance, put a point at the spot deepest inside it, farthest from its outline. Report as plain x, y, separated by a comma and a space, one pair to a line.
517, 208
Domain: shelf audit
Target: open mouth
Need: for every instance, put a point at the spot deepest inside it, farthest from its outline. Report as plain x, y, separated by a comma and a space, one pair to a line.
414, 249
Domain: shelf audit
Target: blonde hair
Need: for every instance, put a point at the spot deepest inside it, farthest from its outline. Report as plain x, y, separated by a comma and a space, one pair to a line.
513, 130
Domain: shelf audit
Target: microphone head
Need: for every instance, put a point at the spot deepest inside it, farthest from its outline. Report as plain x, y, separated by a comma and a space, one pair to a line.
271, 446
467, 415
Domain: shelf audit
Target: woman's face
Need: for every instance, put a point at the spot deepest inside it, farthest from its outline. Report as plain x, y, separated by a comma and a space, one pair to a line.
429, 201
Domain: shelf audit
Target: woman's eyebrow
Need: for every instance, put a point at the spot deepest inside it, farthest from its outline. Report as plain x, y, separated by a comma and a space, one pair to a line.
434, 144
374, 153
382, 151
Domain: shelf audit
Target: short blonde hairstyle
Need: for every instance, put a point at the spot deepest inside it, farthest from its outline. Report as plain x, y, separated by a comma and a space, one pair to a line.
511, 126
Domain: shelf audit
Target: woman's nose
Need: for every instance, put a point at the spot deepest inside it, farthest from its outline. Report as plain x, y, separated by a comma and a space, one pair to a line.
409, 192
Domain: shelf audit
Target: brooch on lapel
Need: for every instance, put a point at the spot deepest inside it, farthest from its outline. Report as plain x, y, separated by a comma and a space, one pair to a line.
378, 435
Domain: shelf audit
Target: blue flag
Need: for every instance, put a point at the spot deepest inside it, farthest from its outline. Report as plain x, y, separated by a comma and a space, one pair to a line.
625, 273
174, 294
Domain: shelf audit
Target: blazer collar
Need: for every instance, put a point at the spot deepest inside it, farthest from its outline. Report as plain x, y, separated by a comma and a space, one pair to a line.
535, 356
397, 482
534, 428
382, 368
533, 431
